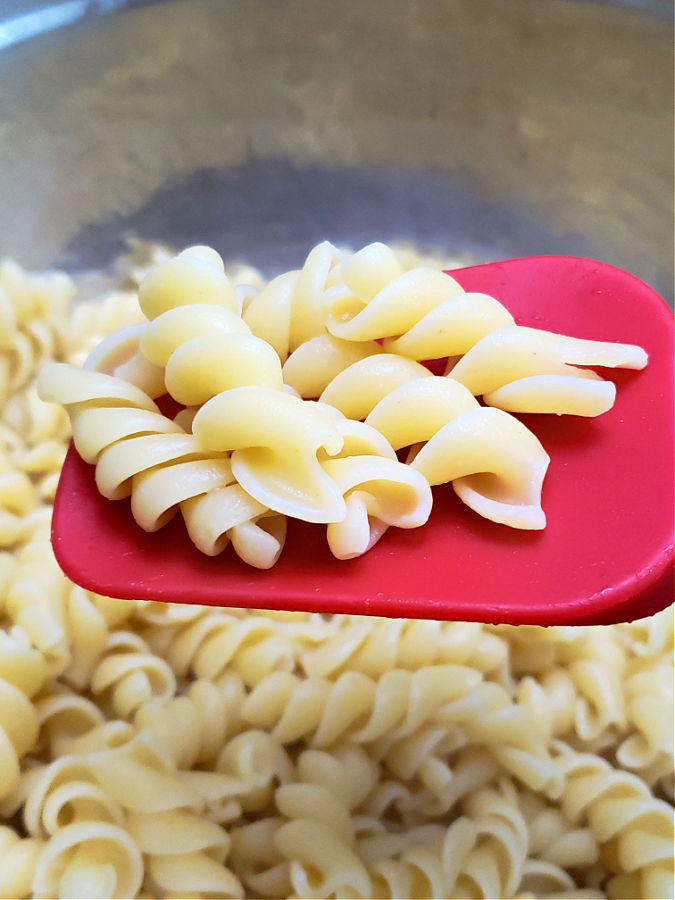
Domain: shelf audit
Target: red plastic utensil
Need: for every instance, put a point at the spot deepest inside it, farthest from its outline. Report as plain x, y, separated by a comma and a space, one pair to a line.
606, 554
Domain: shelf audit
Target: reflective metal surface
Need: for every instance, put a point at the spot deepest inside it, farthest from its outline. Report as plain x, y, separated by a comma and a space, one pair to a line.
488, 128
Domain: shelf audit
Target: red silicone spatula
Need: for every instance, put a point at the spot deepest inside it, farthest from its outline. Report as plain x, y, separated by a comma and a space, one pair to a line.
606, 554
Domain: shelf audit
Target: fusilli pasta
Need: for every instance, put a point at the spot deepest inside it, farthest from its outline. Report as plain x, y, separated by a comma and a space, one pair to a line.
156, 750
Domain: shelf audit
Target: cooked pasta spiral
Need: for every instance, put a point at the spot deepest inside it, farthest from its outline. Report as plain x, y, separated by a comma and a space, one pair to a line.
32, 311
319, 803
191, 727
140, 452
374, 646
88, 859
184, 854
649, 749
495, 464
354, 705
620, 811
290, 309
22, 673
522, 369
420, 314
128, 675
19, 859
215, 641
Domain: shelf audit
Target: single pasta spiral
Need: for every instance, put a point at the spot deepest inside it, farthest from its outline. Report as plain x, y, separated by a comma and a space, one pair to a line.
425, 314
484, 851
215, 642
140, 452
649, 749
354, 705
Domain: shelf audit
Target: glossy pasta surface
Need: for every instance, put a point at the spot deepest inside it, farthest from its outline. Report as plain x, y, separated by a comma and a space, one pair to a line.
160, 751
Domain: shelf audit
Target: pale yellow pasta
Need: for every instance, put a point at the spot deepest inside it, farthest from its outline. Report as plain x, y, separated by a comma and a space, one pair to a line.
168, 750
495, 464
32, 315
206, 353
527, 370
22, 672
118, 427
215, 641
315, 707
291, 308
618, 807
274, 440
314, 365
88, 859
359, 387
373, 646
191, 727
19, 858
650, 748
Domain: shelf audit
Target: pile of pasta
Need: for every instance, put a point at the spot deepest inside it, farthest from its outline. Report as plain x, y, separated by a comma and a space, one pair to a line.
296, 396
156, 750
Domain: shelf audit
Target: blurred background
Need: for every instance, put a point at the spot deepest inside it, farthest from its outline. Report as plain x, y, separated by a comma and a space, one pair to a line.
483, 128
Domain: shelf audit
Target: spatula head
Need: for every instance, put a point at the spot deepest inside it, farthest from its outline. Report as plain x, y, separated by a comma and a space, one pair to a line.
606, 554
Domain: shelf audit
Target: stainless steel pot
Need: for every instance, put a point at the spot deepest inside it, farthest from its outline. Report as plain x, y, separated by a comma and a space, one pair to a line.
489, 128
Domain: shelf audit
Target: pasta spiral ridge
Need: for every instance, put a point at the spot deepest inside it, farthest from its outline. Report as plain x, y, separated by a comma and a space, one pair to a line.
354, 705
140, 453
496, 465
290, 309
620, 812
32, 316
329, 787
128, 675
19, 859
214, 642
420, 314
373, 646
22, 674
521, 369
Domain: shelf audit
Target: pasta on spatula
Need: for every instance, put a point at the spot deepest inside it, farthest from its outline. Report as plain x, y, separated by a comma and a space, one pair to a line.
163, 750
250, 447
